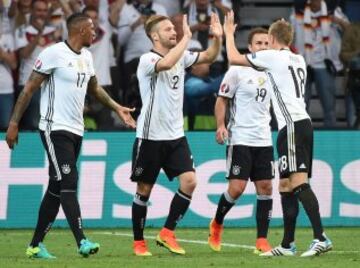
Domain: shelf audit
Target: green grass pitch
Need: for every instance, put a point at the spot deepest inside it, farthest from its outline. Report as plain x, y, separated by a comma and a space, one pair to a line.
116, 249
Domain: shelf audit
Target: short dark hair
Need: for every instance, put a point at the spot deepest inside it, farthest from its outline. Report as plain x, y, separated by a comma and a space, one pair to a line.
152, 21
90, 8
257, 30
75, 18
35, 1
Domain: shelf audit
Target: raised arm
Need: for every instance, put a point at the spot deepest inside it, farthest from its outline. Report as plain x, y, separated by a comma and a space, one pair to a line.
100, 94
32, 85
210, 54
233, 55
174, 55
220, 111
114, 11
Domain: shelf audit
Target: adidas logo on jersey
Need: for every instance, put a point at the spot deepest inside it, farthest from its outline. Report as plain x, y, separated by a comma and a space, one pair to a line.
250, 82
70, 64
302, 166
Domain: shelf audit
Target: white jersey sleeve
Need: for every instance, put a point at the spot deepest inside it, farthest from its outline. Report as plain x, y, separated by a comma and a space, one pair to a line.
190, 58
229, 83
46, 62
148, 63
262, 60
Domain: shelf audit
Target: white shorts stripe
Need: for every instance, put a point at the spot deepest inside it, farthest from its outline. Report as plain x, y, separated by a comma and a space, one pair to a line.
52, 154
229, 160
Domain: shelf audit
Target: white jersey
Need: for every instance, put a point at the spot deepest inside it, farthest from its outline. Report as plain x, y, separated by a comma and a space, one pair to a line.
63, 93
162, 96
23, 36
6, 78
249, 105
287, 75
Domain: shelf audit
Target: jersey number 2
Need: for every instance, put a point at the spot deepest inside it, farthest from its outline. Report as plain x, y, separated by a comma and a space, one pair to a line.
175, 81
80, 79
299, 84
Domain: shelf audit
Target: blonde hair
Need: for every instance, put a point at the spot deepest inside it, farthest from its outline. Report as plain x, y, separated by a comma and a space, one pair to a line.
282, 31
152, 21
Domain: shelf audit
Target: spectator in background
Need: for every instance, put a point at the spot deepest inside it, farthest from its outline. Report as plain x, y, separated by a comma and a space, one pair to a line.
101, 46
172, 7
30, 40
8, 63
200, 92
132, 36
350, 55
59, 10
198, 13
317, 40
19, 12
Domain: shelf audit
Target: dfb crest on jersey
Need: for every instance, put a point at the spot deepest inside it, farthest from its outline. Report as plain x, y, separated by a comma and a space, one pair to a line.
261, 81
236, 170
66, 169
253, 55
138, 171
224, 88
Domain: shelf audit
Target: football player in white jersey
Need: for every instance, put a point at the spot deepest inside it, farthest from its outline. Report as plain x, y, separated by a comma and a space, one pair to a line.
160, 140
287, 74
64, 72
245, 92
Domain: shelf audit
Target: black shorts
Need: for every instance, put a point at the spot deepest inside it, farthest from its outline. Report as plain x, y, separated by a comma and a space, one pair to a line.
62, 148
244, 162
295, 148
173, 156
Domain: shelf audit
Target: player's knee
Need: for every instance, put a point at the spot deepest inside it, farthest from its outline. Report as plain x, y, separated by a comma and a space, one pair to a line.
285, 185
236, 188
189, 184
144, 189
264, 188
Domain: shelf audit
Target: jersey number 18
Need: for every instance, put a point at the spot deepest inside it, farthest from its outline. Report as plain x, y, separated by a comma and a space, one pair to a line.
299, 84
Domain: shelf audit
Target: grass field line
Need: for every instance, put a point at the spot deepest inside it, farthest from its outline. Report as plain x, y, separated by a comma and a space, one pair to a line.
202, 242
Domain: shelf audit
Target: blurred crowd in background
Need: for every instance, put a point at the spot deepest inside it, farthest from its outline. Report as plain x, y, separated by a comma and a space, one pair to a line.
327, 34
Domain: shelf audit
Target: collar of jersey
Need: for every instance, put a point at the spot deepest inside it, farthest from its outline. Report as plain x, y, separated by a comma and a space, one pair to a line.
78, 53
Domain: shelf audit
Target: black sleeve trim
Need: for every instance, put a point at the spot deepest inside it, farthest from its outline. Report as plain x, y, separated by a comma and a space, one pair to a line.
36, 71
253, 65
196, 60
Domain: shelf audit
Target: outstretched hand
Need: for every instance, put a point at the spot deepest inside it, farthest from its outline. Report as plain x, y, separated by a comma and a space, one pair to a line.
229, 26
12, 135
215, 26
186, 28
124, 114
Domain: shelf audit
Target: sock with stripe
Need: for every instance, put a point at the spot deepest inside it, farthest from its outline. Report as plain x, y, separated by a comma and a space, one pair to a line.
70, 205
139, 211
226, 202
290, 208
178, 208
311, 206
263, 214
48, 211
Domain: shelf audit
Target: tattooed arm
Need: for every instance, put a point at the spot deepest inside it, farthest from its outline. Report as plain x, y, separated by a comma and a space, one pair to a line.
32, 85
100, 94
